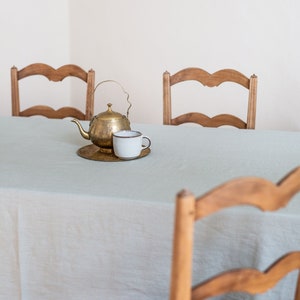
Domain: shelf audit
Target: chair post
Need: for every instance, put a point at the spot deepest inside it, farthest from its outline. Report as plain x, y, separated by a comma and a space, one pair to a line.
166, 99
181, 275
15, 102
89, 113
251, 115
297, 293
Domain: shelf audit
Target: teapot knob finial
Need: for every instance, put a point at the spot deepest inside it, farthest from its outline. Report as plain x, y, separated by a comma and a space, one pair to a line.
109, 105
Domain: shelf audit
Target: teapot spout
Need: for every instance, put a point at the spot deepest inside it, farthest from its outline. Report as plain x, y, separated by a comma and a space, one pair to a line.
83, 133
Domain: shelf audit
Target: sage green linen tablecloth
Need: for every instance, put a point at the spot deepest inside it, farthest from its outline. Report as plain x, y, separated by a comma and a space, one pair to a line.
72, 228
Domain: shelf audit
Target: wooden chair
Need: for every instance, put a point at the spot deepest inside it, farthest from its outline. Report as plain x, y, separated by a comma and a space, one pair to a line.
53, 75
210, 80
253, 191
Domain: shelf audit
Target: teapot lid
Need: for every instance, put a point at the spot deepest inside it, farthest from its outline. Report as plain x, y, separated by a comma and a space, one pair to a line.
109, 114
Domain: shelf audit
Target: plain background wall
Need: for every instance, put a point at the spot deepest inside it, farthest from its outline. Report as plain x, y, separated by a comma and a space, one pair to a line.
33, 31
135, 41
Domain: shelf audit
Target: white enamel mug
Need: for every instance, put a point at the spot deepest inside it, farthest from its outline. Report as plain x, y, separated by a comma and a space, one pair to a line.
128, 144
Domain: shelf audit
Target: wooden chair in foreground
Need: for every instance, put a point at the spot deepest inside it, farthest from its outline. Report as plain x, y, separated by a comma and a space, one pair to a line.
210, 80
253, 191
53, 75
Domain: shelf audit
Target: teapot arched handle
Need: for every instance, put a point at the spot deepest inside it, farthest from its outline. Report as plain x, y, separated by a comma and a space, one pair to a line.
127, 95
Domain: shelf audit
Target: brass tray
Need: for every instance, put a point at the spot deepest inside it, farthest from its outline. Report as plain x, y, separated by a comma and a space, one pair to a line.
93, 152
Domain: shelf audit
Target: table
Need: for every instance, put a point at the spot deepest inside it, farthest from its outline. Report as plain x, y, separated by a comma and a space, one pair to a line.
72, 228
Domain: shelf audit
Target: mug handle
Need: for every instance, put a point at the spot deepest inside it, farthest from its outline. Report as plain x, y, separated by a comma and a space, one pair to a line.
148, 141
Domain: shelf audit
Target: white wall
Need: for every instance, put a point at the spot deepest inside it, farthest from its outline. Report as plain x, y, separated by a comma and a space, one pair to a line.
32, 31
135, 41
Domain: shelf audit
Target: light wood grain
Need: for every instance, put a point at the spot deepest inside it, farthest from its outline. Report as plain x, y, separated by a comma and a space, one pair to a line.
53, 75
210, 80
253, 191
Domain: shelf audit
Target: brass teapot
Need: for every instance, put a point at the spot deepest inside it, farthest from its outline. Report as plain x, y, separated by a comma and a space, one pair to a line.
103, 125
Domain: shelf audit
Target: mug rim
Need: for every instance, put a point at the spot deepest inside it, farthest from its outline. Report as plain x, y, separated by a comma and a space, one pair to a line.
137, 134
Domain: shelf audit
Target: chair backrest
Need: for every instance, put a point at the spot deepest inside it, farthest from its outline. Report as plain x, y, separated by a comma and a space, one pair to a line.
252, 191
53, 75
210, 80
